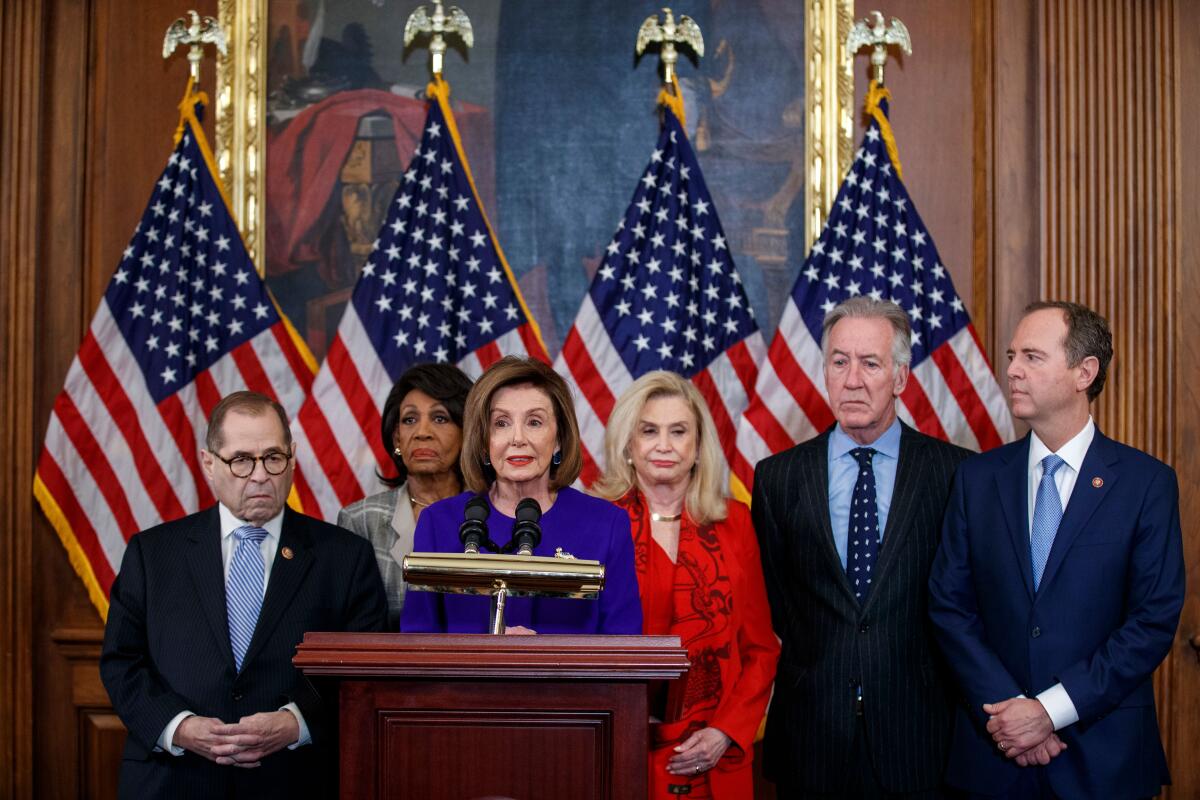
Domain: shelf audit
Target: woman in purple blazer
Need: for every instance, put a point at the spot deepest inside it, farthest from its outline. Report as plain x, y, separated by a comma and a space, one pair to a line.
521, 440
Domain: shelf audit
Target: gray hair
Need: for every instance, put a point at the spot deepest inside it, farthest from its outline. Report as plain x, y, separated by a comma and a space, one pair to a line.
252, 404
863, 307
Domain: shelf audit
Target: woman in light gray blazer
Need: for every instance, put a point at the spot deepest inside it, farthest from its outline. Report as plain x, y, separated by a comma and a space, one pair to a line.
422, 430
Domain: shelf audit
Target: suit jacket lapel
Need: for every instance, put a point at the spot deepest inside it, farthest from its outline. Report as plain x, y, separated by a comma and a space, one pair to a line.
910, 476
1012, 485
287, 574
402, 525
814, 508
208, 576
1085, 498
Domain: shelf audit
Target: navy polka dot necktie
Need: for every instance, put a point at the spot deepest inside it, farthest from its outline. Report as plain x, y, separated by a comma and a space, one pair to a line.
862, 545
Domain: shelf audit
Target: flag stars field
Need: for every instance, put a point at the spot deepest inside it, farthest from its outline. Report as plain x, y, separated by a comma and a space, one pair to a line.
171, 255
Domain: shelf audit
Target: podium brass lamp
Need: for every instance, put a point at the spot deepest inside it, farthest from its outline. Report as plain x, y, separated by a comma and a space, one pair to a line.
504, 576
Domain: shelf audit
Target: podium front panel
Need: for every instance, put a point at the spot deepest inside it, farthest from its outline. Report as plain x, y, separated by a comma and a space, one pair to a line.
469, 716
528, 741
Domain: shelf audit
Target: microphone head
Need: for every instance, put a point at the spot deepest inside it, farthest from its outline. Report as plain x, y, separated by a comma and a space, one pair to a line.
473, 532
478, 509
528, 510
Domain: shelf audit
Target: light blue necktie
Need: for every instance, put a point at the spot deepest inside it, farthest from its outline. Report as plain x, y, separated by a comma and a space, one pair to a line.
1047, 512
244, 590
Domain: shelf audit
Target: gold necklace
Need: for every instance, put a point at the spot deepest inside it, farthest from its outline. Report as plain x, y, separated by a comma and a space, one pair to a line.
412, 499
654, 515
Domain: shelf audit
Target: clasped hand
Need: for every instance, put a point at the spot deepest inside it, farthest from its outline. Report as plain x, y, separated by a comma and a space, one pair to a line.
700, 752
1023, 731
244, 743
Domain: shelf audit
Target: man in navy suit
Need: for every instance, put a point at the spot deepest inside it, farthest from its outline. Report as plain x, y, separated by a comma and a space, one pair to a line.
1058, 585
205, 616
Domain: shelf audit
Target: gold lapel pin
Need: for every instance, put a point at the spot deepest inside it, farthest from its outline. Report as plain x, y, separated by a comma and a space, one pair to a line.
287, 553
1097, 483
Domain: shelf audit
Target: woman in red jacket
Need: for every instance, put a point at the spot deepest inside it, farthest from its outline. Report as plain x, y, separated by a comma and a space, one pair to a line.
699, 577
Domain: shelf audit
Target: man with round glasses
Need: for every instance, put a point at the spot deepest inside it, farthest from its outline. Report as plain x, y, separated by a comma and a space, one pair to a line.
205, 616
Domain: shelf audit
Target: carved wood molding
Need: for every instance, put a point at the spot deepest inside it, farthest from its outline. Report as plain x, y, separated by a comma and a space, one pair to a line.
22, 31
603, 658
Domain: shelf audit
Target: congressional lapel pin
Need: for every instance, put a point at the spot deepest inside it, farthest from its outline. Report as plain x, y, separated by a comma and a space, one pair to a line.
1097, 483
287, 553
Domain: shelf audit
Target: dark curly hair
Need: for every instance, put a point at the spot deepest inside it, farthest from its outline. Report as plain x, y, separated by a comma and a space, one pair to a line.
445, 383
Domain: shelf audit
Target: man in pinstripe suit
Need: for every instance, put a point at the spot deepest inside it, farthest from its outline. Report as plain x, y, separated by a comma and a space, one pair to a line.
205, 616
848, 524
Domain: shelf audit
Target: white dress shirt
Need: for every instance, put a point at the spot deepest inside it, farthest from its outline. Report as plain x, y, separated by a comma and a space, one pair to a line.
1055, 700
269, 546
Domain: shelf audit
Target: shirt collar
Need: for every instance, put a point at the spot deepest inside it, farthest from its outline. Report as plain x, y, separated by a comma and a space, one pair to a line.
1072, 452
230, 523
888, 443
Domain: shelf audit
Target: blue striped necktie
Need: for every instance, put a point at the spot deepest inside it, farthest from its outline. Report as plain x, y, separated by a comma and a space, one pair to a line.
244, 589
1047, 513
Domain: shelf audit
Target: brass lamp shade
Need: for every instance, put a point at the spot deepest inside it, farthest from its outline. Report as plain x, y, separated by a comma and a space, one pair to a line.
522, 576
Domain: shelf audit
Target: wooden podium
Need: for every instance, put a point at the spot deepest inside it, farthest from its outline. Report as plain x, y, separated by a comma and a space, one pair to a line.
478, 716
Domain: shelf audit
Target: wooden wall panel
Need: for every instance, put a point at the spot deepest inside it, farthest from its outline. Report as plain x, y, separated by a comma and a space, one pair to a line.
1110, 193
1183, 724
21, 93
1007, 244
105, 131
1110, 220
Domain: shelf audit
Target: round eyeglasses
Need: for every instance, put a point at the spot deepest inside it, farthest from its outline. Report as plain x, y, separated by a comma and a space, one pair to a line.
274, 463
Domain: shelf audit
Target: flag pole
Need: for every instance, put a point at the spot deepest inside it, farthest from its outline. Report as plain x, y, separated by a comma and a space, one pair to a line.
669, 34
873, 33
438, 24
199, 32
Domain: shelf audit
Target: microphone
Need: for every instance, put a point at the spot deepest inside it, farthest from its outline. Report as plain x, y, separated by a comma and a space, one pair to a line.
474, 532
527, 531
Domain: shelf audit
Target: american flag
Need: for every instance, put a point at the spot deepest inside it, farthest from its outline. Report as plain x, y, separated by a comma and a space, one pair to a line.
435, 288
666, 296
184, 321
875, 244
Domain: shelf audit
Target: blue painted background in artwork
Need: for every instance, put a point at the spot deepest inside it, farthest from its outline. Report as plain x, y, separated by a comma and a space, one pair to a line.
572, 125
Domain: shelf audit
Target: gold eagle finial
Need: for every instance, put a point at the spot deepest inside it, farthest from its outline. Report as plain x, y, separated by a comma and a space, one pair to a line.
439, 23
669, 34
201, 31
878, 36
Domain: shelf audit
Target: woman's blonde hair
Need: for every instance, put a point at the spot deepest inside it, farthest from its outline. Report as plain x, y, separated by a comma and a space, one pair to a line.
707, 491
478, 473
